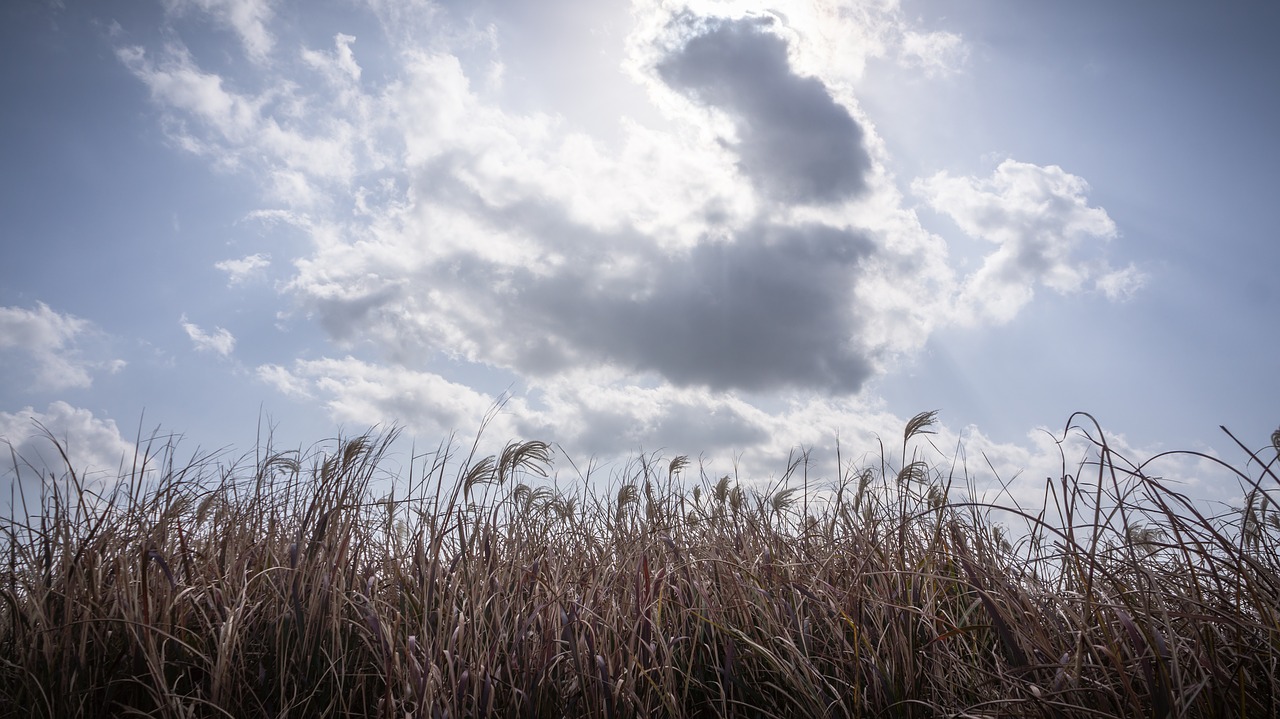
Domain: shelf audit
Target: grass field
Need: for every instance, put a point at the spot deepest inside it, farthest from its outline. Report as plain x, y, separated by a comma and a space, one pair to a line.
284, 586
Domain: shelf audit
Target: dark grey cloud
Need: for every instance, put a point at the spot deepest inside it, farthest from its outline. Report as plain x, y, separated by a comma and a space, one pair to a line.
344, 316
760, 308
772, 308
795, 143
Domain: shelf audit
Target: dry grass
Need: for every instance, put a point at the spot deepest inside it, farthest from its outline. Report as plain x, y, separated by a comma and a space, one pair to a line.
284, 587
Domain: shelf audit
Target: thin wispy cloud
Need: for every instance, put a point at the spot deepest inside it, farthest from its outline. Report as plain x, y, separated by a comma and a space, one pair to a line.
220, 341
247, 19
936, 53
273, 132
244, 269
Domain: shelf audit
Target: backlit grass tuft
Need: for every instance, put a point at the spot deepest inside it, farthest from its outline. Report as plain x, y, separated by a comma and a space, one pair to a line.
286, 586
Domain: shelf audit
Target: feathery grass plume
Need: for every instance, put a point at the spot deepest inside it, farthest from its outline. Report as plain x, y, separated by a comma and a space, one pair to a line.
283, 585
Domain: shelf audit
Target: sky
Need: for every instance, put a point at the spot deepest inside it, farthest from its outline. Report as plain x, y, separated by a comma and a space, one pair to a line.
730, 230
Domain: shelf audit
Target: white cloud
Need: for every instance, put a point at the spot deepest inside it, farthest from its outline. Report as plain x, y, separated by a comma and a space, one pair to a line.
835, 38
178, 83
284, 381
369, 394
94, 447
220, 341
501, 223
1122, 284
248, 19
602, 418
295, 148
245, 268
51, 341
590, 413
340, 67
1041, 222
937, 53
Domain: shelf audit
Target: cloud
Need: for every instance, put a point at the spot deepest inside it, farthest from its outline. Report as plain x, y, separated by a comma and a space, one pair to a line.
727, 276
794, 141
768, 309
589, 413
245, 268
600, 418
297, 150
830, 38
937, 53
341, 67
512, 241
51, 341
284, 381
513, 244
368, 394
1121, 285
248, 19
220, 341
94, 447
763, 307
1040, 220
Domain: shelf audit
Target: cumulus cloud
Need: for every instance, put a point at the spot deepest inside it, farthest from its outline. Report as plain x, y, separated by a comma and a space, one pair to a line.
1041, 222
511, 241
518, 246
769, 309
50, 341
592, 412
94, 447
220, 341
597, 415
653, 289
368, 394
593, 416
245, 268
794, 141
765, 307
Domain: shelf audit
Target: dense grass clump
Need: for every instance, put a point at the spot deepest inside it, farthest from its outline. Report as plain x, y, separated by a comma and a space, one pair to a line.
284, 586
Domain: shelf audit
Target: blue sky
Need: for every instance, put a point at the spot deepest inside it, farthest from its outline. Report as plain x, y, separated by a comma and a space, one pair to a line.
723, 229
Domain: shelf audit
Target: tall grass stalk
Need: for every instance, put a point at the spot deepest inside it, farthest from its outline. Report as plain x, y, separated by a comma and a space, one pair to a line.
285, 587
